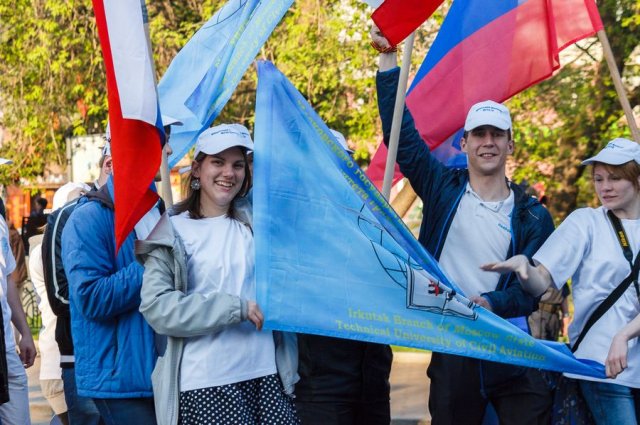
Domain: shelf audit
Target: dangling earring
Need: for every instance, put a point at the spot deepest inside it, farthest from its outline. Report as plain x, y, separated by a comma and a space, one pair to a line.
195, 183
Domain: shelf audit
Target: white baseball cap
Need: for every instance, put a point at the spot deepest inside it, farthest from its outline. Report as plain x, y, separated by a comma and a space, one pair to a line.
61, 196
224, 136
488, 113
340, 138
5, 161
168, 120
617, 152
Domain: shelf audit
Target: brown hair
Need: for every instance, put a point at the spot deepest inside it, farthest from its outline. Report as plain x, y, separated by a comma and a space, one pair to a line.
192, 202
628, 171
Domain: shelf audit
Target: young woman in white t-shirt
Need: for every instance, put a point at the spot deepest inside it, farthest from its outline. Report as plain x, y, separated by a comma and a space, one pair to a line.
199, 291
586, 249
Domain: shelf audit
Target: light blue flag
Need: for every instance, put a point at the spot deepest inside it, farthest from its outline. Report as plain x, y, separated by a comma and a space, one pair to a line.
333, 258
204, 74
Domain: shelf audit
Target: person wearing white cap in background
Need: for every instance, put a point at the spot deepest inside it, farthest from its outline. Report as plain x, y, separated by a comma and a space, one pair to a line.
49, 272
472, 217
16, 409
218, 366
586, 248
343, 381
50, 372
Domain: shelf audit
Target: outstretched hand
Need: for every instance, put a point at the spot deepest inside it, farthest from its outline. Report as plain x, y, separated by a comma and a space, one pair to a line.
516, 264
255, 315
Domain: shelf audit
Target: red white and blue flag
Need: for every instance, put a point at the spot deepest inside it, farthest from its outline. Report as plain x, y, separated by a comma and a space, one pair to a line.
137, 134
396, 19
492, 49
488, 49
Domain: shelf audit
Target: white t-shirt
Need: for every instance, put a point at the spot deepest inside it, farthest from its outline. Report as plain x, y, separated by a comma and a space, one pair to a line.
480, 233
585, 248
221, 258
7, 266
49, 351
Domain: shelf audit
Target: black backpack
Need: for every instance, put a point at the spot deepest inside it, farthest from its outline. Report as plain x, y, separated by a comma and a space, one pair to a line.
55, 278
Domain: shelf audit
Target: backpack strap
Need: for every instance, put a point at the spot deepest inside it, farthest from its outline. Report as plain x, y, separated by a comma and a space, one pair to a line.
621, 288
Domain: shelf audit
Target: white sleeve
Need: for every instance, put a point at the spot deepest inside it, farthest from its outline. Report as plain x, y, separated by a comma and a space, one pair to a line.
564, 250
37, 274
7, 260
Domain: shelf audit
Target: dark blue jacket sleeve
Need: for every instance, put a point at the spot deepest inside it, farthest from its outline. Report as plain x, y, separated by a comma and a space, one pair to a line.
98, 288
513, 301
415, 161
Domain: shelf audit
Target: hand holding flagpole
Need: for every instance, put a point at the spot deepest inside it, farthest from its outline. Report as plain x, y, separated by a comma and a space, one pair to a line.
385, 61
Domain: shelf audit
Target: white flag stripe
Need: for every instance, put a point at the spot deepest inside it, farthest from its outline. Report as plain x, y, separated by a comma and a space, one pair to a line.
131, 60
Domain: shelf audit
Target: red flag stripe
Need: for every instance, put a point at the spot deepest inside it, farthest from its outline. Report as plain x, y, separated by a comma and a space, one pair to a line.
396, 19
135, 147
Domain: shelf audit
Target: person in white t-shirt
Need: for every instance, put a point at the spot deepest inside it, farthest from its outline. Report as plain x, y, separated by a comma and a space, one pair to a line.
198, 289
586, 248
16, 410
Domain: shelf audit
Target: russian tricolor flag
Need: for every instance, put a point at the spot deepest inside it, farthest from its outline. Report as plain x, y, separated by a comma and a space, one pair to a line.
137, 134
399, 18
492, 49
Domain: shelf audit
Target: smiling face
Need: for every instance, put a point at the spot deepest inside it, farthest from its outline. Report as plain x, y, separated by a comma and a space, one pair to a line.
615, 190
487, 149
221, 177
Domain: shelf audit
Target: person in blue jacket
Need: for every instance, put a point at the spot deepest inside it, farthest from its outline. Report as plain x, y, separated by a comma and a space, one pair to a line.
114, 346
469, 215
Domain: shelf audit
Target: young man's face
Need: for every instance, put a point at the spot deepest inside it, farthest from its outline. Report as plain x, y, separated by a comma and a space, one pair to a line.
487, 149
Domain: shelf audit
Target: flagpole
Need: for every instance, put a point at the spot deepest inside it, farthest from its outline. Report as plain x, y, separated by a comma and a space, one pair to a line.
165, 172
397, 117
617, 82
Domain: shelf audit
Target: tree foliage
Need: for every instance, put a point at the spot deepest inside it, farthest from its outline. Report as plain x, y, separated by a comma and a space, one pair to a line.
51, 80
52, 83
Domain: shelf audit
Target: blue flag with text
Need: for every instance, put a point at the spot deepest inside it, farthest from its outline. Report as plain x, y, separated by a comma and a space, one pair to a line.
333, 258
204, 74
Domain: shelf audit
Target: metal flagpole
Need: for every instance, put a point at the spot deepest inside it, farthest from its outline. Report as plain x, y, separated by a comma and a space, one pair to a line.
165, 172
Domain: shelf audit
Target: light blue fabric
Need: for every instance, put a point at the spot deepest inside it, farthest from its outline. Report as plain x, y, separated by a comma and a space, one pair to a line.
204, 74
333, 258
610, 404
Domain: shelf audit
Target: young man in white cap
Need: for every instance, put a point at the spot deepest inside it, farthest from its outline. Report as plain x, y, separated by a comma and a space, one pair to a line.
470, 216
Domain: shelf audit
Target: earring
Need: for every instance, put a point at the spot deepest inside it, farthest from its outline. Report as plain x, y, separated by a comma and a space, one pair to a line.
195, 183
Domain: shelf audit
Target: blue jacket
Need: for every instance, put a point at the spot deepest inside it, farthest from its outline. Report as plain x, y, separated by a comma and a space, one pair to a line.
114, 346
441, 189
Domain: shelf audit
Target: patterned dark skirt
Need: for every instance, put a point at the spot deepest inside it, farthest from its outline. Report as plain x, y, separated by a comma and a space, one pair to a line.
257, 401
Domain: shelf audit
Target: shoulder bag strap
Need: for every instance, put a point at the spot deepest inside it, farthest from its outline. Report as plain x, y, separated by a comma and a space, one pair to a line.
624, 285
624, 244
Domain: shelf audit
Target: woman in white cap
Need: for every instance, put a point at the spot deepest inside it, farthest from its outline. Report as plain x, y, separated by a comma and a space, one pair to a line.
217, 365
598, 249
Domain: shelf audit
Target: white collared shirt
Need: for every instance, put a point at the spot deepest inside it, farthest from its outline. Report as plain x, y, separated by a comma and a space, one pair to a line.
480, 233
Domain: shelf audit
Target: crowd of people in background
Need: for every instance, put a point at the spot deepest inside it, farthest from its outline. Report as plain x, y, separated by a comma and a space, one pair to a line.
166, 329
